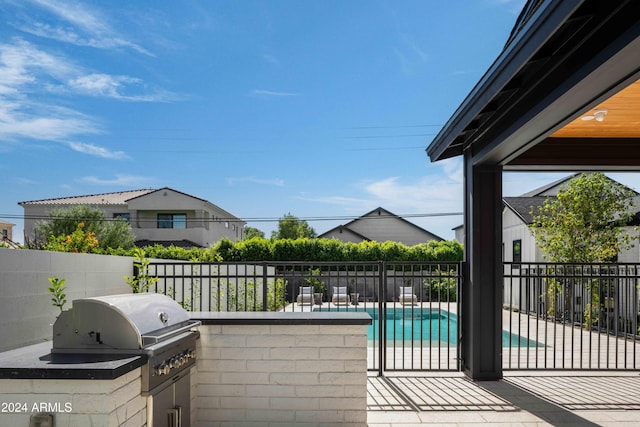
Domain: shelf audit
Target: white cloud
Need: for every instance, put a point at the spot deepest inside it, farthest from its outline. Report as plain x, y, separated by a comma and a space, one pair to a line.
261, 92
348, 202
272, 59
24, 70
116, 87
22, 64
430, 194
94, 150
29, 74
453, 169
120, 180
101, 84
273, 181
439, 191
518, 183
84, 27
42, 122
411, 56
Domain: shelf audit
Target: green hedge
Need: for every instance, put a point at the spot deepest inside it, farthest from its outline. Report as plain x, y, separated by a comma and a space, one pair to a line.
332, 250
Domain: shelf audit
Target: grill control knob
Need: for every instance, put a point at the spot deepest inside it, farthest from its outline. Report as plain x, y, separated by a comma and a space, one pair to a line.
162, 369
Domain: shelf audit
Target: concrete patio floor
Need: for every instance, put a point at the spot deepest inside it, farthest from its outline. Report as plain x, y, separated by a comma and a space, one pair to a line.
523, 398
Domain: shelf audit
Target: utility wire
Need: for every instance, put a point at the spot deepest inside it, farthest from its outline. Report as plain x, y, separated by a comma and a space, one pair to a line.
248, 219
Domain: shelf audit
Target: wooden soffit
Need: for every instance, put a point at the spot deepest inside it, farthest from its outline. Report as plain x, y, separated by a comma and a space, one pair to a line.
620, 118
591, 143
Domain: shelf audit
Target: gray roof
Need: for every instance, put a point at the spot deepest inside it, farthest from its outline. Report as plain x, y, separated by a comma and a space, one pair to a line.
522, 206
116, 198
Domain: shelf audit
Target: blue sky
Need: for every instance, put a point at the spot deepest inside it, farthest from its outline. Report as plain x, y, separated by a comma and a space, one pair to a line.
318, 108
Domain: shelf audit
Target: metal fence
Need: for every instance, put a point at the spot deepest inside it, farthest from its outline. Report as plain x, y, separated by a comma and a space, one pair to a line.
555, 316
571, 316
413, 305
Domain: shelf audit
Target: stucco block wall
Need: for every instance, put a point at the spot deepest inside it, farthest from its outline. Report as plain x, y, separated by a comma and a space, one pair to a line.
26, 312
279, 375
78, 403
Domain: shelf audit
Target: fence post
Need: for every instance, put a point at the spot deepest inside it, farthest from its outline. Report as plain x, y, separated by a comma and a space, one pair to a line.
459, 291
382, 336
265, 287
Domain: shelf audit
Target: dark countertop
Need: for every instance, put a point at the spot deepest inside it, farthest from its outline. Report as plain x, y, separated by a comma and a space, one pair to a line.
280, 318
37, 362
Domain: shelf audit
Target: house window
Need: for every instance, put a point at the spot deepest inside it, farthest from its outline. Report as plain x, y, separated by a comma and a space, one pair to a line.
517, 251
126, 216
172, 221
5, 234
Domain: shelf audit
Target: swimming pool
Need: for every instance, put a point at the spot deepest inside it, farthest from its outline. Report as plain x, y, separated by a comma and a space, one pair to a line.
431, 325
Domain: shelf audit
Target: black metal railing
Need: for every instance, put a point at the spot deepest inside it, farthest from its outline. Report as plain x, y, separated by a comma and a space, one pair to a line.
413, 305
571, 316
555, 316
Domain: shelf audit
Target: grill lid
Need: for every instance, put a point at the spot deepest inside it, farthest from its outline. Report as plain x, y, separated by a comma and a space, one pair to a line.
126, 322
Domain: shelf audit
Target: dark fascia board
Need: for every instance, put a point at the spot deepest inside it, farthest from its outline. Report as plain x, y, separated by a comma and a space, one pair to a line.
539, 28
606, 73
573, 82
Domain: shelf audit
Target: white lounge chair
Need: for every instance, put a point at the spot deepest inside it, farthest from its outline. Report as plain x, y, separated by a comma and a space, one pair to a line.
340, 295
305, 297
407, 296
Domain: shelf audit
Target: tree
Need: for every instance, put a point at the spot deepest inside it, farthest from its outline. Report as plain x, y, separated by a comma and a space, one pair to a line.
64, 222
584, 222
291, 227
251, 232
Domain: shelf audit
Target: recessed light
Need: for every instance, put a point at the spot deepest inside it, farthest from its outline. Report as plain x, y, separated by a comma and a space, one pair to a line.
598, 115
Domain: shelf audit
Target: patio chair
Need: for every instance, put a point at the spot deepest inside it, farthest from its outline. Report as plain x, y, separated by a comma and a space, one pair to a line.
340, 295
305, 297
407, 296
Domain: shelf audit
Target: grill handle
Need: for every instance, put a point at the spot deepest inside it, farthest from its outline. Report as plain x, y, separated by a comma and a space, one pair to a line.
156, 338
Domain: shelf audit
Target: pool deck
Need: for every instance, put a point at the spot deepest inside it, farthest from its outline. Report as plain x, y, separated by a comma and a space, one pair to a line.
541, 398
533, 397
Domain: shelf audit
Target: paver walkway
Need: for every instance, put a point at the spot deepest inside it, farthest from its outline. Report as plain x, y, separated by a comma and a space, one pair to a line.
520, 399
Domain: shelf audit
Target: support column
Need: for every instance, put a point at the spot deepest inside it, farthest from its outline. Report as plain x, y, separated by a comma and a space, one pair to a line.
481, 300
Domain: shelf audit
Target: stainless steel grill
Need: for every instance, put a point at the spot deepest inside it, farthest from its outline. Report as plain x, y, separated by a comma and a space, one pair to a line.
151, 325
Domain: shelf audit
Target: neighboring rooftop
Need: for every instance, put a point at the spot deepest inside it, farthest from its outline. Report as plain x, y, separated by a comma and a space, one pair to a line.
115, 198
523, 206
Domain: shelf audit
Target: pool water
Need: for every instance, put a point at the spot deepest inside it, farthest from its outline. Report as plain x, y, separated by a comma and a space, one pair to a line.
439, 327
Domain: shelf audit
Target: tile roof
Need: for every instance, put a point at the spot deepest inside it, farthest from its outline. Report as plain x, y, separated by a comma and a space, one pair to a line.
116, 198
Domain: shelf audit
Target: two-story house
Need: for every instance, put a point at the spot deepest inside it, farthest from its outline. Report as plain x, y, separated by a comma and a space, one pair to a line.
518, 241
157, 216
6, 234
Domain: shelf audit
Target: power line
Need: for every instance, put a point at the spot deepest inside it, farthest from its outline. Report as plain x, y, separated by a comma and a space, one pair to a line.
249, 219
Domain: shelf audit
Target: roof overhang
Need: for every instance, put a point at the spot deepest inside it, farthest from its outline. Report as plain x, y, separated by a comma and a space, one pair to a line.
570, 58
